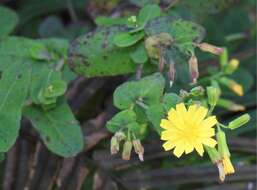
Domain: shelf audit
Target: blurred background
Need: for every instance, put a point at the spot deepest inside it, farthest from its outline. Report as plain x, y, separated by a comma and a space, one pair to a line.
29, 165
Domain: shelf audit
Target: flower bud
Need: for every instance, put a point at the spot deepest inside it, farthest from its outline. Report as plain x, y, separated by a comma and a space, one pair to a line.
183, 94
210, 48
213, 94
232, 66
213, 154
139, 149
197, 91
132, 19
230, 105
126, 153
172, 72
120, 136
233, 85
238, 122
114, 145
193, 68
222, 143
224, 58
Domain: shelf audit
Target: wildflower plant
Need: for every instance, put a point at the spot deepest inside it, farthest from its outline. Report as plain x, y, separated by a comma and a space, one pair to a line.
152, 47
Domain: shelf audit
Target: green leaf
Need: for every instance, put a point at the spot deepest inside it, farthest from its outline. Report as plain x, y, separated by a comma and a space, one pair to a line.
139, 130
121, 120
147, 13
8, 21
139, 55
155, 113
170, 100
95, 54
107, 21
126, 39
13, 92
185, 34
58, 129
148, 90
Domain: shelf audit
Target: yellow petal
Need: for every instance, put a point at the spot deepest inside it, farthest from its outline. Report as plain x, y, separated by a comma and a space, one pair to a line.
207, 132
209, 142
165, 135
188, 148
199, 148
199, 115
209, 122
192, 109
181, 109
165, 124
178, 151
168, 145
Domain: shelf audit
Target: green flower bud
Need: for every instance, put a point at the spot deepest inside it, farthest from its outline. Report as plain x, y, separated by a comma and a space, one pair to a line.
232, 106
114, 145
224, 57
197, 91
213, 94
126, 153
222, 143
238, 122
213, 154
231, 66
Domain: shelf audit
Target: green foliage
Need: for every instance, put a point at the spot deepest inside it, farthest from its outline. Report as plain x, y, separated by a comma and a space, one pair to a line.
58, 129
139, 55
148, 90
8, 21
127, 39
14, 85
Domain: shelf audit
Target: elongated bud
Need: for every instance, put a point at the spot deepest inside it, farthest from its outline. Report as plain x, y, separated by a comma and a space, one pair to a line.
126, 153
232, 66
197, 91
114, 145
120, 136
213, 94
139, 149
232, 106
224, 58
213, 154
222, 143
232, 85
193, 68
172, 72
210, 48
238, 122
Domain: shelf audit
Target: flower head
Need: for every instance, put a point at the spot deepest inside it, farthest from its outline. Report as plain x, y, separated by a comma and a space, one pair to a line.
186, 130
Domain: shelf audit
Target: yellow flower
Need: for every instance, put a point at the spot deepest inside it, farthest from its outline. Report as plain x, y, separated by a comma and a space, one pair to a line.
186, 130
228, 167
233, 63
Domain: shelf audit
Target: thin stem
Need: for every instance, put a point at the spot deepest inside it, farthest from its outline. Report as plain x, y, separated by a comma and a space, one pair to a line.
142, 104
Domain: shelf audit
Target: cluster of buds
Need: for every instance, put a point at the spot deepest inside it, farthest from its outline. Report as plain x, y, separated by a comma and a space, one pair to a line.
127, 146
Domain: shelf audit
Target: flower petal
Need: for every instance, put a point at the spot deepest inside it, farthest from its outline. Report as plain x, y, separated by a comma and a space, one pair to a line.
178, 151
166, 135
188, 148
168, 145
199, 148
165, 124
199, 115
209, 142
209, 122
